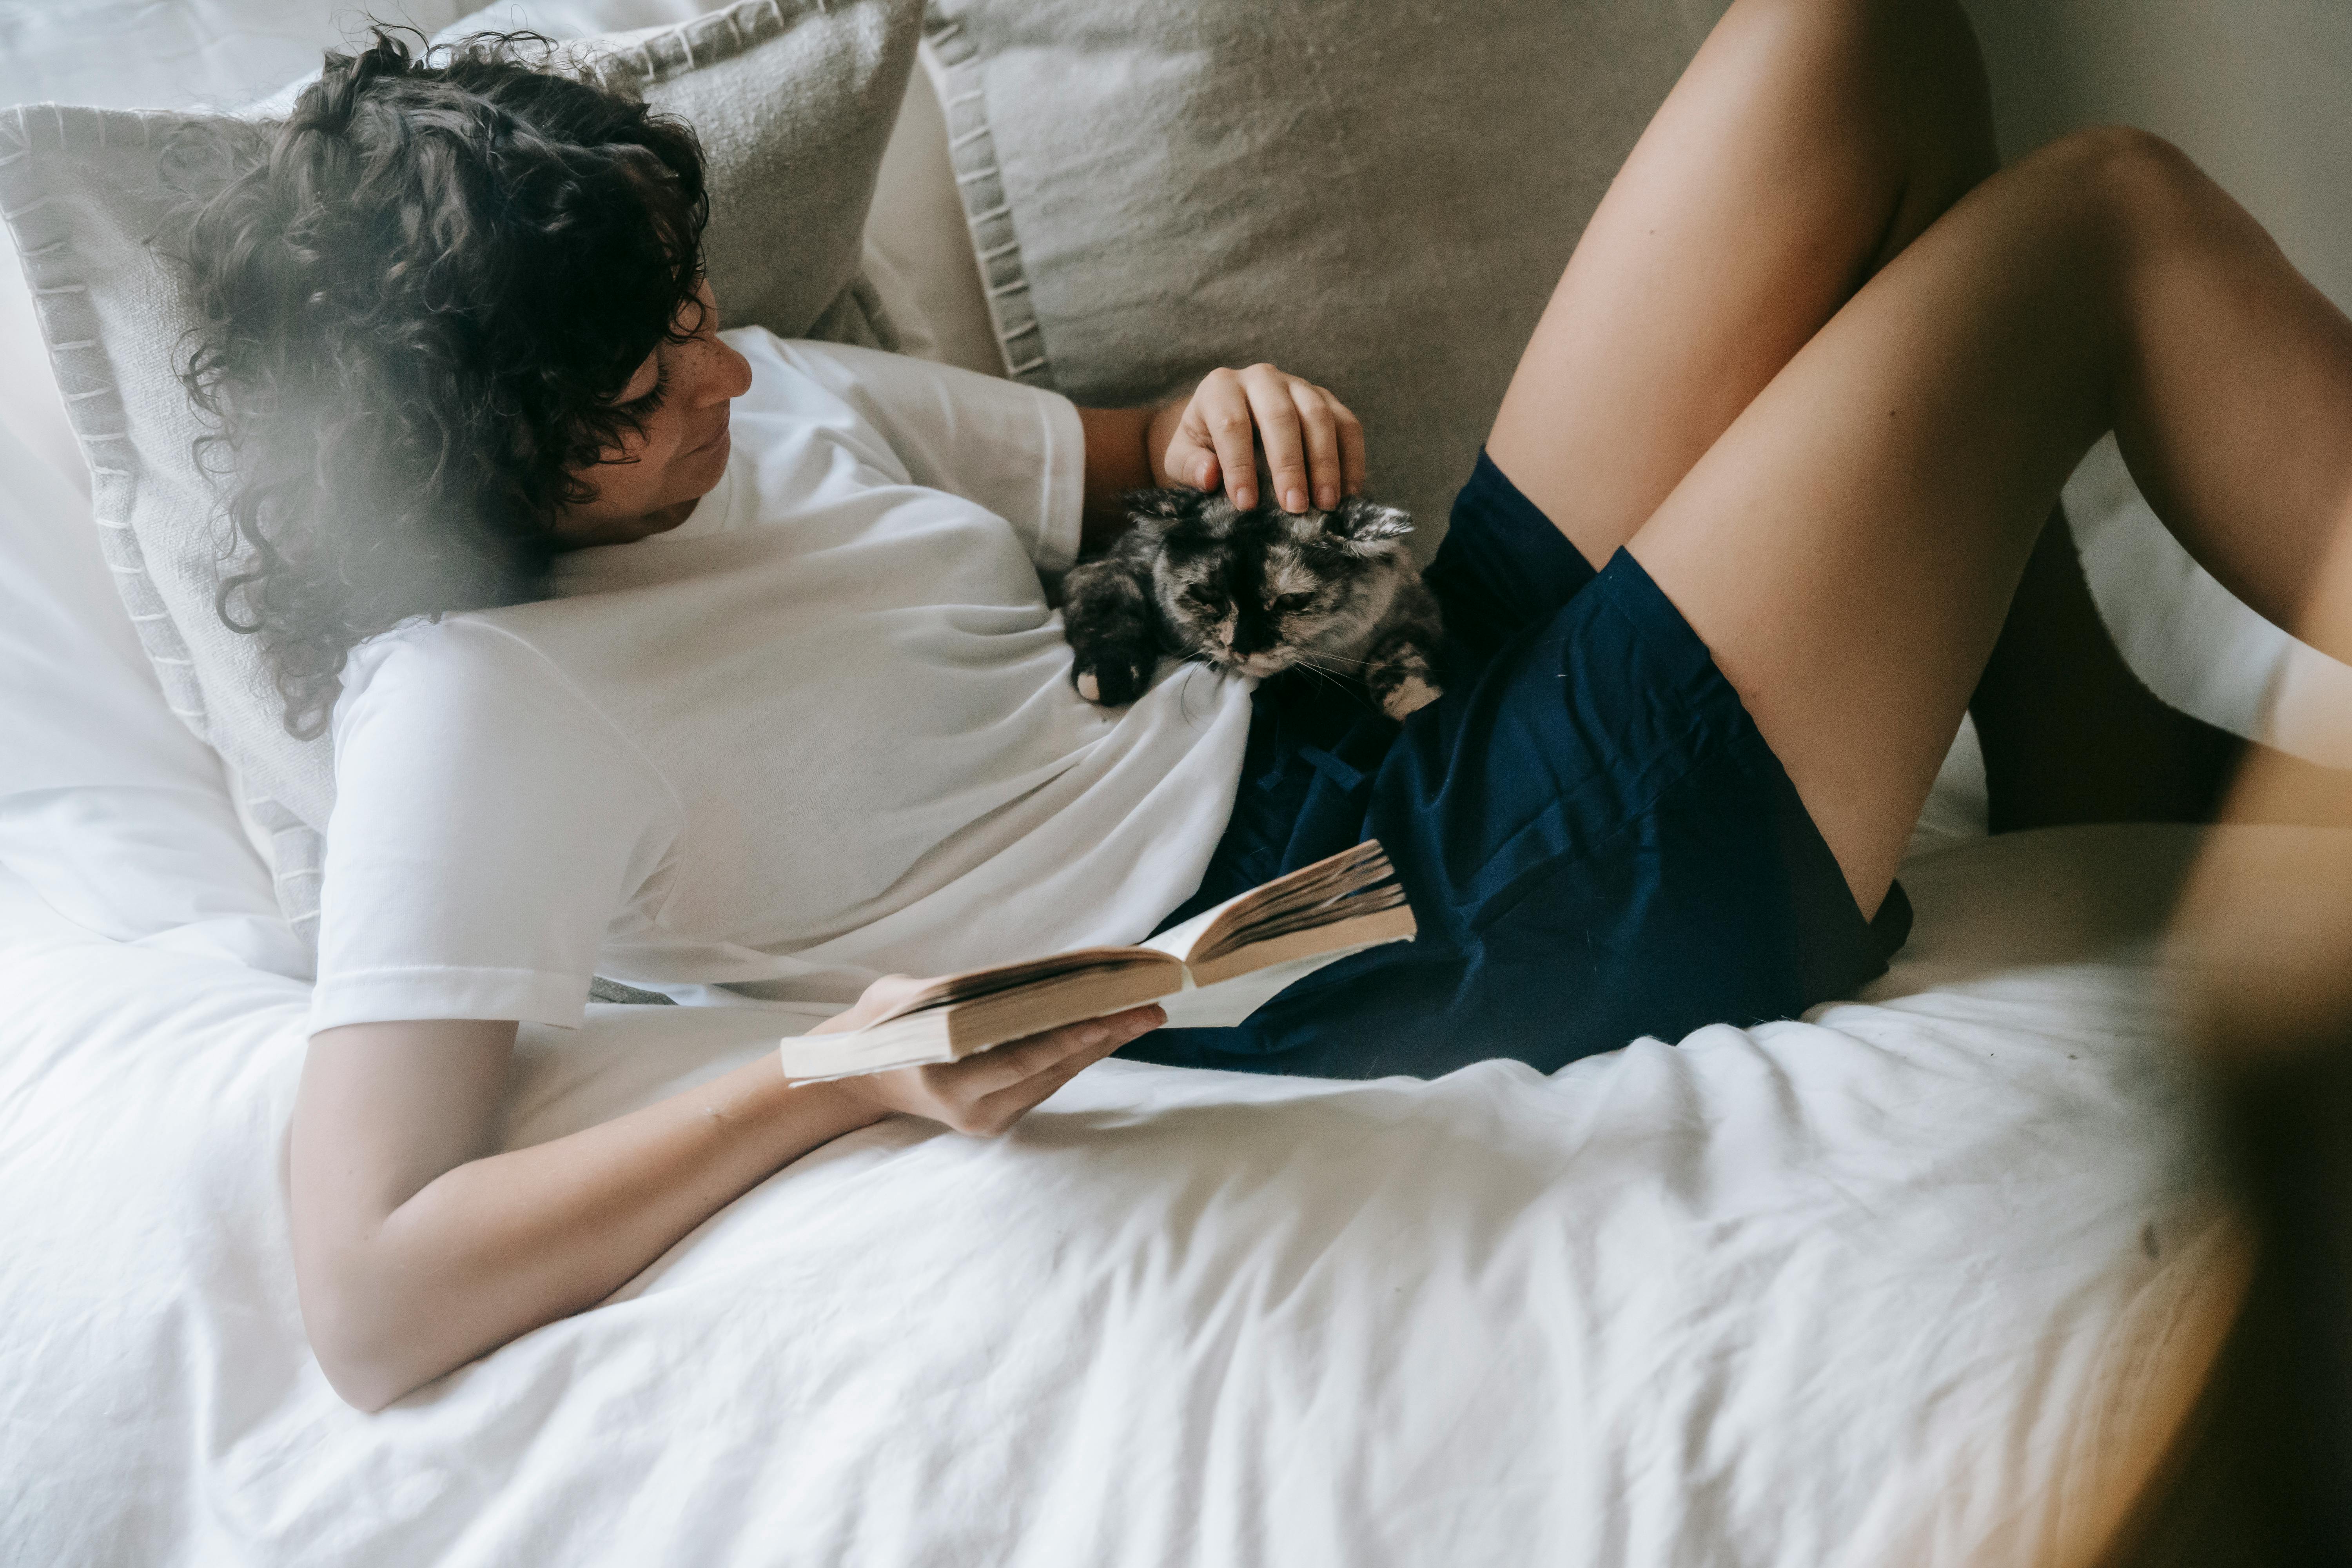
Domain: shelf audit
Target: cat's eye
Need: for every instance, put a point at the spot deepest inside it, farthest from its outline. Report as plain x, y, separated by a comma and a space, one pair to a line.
1289, 604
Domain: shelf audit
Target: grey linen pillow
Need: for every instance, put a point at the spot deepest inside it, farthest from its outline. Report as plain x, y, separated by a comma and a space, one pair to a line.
793, 101
1377, 197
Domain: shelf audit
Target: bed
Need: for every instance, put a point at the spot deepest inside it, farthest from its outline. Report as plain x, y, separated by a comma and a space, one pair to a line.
1911, 1280
1925, 1276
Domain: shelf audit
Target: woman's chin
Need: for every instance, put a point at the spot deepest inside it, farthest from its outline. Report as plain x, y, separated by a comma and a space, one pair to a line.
696, 474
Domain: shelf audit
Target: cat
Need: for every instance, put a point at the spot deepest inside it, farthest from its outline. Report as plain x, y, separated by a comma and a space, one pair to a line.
1254, 592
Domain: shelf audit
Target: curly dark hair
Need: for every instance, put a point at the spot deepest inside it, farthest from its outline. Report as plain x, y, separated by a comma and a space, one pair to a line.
421, 294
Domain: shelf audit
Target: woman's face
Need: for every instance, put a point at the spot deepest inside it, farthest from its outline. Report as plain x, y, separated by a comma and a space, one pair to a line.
679, 397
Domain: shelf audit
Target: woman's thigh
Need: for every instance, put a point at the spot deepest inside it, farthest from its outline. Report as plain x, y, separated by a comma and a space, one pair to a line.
1848, 549
1809, 141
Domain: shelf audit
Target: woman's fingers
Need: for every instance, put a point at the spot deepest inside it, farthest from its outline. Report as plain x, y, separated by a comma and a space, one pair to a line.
977, 1077
1313, 444
1221, 411
1276, 414
1011, 1103
984, 1094
1320, 426
880, 998
1175, 449
1008, 1066
1353, 475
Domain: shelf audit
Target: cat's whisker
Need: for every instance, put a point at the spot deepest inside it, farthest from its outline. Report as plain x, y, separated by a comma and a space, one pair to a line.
1320, 673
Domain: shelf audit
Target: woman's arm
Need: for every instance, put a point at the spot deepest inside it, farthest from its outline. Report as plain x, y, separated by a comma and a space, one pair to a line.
1314, 447
417, 1246
1118, 460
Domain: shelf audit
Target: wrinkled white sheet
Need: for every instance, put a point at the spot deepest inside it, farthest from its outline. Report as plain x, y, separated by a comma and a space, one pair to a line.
1885, 1286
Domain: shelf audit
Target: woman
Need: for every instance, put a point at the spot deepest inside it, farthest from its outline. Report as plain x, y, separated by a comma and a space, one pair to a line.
1750, 522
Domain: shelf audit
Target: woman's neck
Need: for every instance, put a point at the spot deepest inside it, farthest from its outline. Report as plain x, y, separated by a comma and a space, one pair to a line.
628, 530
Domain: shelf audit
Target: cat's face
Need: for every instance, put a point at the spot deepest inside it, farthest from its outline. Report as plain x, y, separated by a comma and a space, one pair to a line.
1257, 592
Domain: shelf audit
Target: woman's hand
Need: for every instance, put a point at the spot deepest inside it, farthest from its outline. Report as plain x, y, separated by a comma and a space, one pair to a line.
1314, 446
985, 1094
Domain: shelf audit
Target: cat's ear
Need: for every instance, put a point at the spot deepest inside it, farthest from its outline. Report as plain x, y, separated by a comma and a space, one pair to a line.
1366, 527
1158, 510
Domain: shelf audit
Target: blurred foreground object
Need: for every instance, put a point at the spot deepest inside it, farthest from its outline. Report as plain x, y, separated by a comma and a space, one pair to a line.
2262, 1471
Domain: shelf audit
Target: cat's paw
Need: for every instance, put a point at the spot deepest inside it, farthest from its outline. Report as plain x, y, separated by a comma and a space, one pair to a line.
1409, 695
1402, 677
1112, 625
1112, 676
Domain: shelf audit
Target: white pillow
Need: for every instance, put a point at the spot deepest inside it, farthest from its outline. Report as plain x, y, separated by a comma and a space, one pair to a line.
112, 814
180, 54
110, 809
918, 251
794, 104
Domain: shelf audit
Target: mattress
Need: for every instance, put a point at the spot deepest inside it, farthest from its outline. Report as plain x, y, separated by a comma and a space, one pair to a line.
1918, 1278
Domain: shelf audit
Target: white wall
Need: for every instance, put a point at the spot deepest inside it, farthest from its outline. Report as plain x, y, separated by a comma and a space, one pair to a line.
2260, 93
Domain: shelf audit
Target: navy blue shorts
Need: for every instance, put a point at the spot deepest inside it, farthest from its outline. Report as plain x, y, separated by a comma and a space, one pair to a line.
1596, 841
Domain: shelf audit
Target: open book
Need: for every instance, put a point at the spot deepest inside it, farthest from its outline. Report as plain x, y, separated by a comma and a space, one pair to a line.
1215, 968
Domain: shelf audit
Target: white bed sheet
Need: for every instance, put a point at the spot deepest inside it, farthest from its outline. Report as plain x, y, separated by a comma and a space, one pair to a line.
1885, 1286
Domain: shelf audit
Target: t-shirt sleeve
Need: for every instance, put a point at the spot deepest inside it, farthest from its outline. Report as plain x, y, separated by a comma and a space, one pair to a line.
488, 825
1019, 451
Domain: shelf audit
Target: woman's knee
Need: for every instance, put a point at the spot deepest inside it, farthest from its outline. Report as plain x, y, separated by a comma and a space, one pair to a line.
2142, 192
2109, 148
2123, 163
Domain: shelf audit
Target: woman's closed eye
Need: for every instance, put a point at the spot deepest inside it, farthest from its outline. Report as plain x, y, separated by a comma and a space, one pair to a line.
650, 404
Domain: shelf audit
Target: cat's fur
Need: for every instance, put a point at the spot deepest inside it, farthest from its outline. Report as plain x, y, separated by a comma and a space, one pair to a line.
1254, 592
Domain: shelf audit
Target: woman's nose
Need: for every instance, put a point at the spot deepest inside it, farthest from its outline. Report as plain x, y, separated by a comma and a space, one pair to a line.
721, 373
739, 372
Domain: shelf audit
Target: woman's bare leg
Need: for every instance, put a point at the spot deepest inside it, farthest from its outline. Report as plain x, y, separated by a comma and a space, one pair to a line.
1808, 142
1849, 548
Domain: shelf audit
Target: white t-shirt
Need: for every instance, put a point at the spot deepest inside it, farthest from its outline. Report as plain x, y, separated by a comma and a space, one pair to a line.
821, 730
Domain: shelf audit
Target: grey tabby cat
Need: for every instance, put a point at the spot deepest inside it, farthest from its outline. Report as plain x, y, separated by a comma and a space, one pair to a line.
1254, 592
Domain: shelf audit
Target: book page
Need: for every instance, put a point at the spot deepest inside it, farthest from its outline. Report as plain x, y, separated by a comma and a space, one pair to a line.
1179, 941
973, 984
1228, 1002
950, 1031
1393, 923
1342, 888
1272, 935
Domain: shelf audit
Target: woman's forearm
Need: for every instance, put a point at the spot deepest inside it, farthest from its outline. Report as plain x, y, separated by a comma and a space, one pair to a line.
1118, 460
496, 1246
